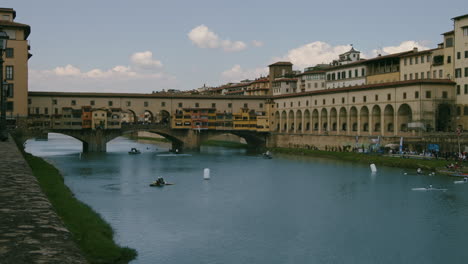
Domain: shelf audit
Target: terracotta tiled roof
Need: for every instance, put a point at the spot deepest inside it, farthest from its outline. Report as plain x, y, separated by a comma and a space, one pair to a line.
420, 52
284, 63
136, 95
285, 80
448, 33
27, 28
369, 86
394, 55
460, 17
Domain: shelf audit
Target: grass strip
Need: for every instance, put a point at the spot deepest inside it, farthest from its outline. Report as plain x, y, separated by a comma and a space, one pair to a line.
225, 144
93, 235
409, 163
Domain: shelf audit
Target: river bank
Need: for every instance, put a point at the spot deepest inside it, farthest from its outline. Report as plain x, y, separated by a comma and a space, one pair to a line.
93, 235
379, 160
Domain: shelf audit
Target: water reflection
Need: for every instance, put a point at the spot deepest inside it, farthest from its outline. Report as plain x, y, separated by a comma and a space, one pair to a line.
253, 210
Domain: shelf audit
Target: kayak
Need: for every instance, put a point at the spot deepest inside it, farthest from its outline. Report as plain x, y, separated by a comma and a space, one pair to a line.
155, 184
460, 182
428, 189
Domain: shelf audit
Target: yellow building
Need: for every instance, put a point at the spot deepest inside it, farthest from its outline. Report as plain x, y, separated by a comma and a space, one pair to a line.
16, 63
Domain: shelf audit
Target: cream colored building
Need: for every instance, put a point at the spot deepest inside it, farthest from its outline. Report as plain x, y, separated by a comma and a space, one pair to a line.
460, 62
15, 67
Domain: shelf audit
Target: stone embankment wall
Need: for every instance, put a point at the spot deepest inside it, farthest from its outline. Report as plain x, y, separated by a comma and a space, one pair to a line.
446, 141
30, 230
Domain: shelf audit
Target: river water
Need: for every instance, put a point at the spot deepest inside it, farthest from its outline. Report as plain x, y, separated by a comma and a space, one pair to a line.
285, 210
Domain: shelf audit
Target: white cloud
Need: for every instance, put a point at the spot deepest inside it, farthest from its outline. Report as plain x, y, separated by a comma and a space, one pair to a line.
203, 37
257, 43
404, 46
237, 73
144, 74
145, 60
313, 53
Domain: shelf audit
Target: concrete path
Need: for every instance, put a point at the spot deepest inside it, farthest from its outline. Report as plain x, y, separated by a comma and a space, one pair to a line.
30, 230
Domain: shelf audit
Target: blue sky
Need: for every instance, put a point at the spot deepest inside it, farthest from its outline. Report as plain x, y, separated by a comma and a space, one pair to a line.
144, 46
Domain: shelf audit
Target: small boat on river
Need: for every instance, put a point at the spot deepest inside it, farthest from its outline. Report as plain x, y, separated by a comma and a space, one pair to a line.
160, 182
465, 180
134, 151
428, 189
267, 155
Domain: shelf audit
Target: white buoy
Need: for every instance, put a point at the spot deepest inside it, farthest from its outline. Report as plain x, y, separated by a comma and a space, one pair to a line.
373, 168
206, 174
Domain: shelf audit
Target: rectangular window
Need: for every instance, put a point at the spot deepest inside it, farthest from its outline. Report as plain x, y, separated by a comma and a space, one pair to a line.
411, 61
416, 76
181, 105
466, 89
364, 98
444, 95
9, 72
376, 97
405, 61
109, 103
128, 103
56, 111
389, 97
411, 76
46, 110
449, 42
342, 100
428, 94
229, 105
434, 74
197, 105
73, 102
428, 74
449, 59
10, 92
404, 95
466, 54
29, 101
354, 99
466, 71
261, 105
356, 73
324, 101
92, 102
9, 106
416, 94
422, 75
145, 104
333, 101
422, 59
405, 77
458, 89
458, 55
465, 31
416, 60
163, 104
213, 105
428, 58
441, 73
54, 101
363, 72
246, 105
9, 53
458, 73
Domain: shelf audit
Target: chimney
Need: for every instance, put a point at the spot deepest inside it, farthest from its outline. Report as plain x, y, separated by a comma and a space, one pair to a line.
415, 49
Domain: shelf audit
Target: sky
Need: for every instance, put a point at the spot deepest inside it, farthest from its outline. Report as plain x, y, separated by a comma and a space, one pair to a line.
141, 46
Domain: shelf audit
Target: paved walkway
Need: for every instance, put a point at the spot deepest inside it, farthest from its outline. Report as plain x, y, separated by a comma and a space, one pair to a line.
30, 230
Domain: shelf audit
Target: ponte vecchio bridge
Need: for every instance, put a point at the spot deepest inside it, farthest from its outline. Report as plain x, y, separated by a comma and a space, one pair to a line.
185, 120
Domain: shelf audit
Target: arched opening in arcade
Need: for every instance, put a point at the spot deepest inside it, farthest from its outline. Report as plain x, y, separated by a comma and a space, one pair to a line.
376, 115
364, 115
164, 117
129, 117
315, 119
333, 119
147, 117
284, 121
299, 121
291, 121
343, 124
307, 120
324, 120
405, 117
353, 119
389, 115
277, 121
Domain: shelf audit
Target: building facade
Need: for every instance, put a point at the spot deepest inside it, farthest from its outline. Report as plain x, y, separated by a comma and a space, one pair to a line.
15, 67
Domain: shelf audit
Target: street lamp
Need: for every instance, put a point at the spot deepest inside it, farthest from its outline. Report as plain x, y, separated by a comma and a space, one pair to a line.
3, 131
